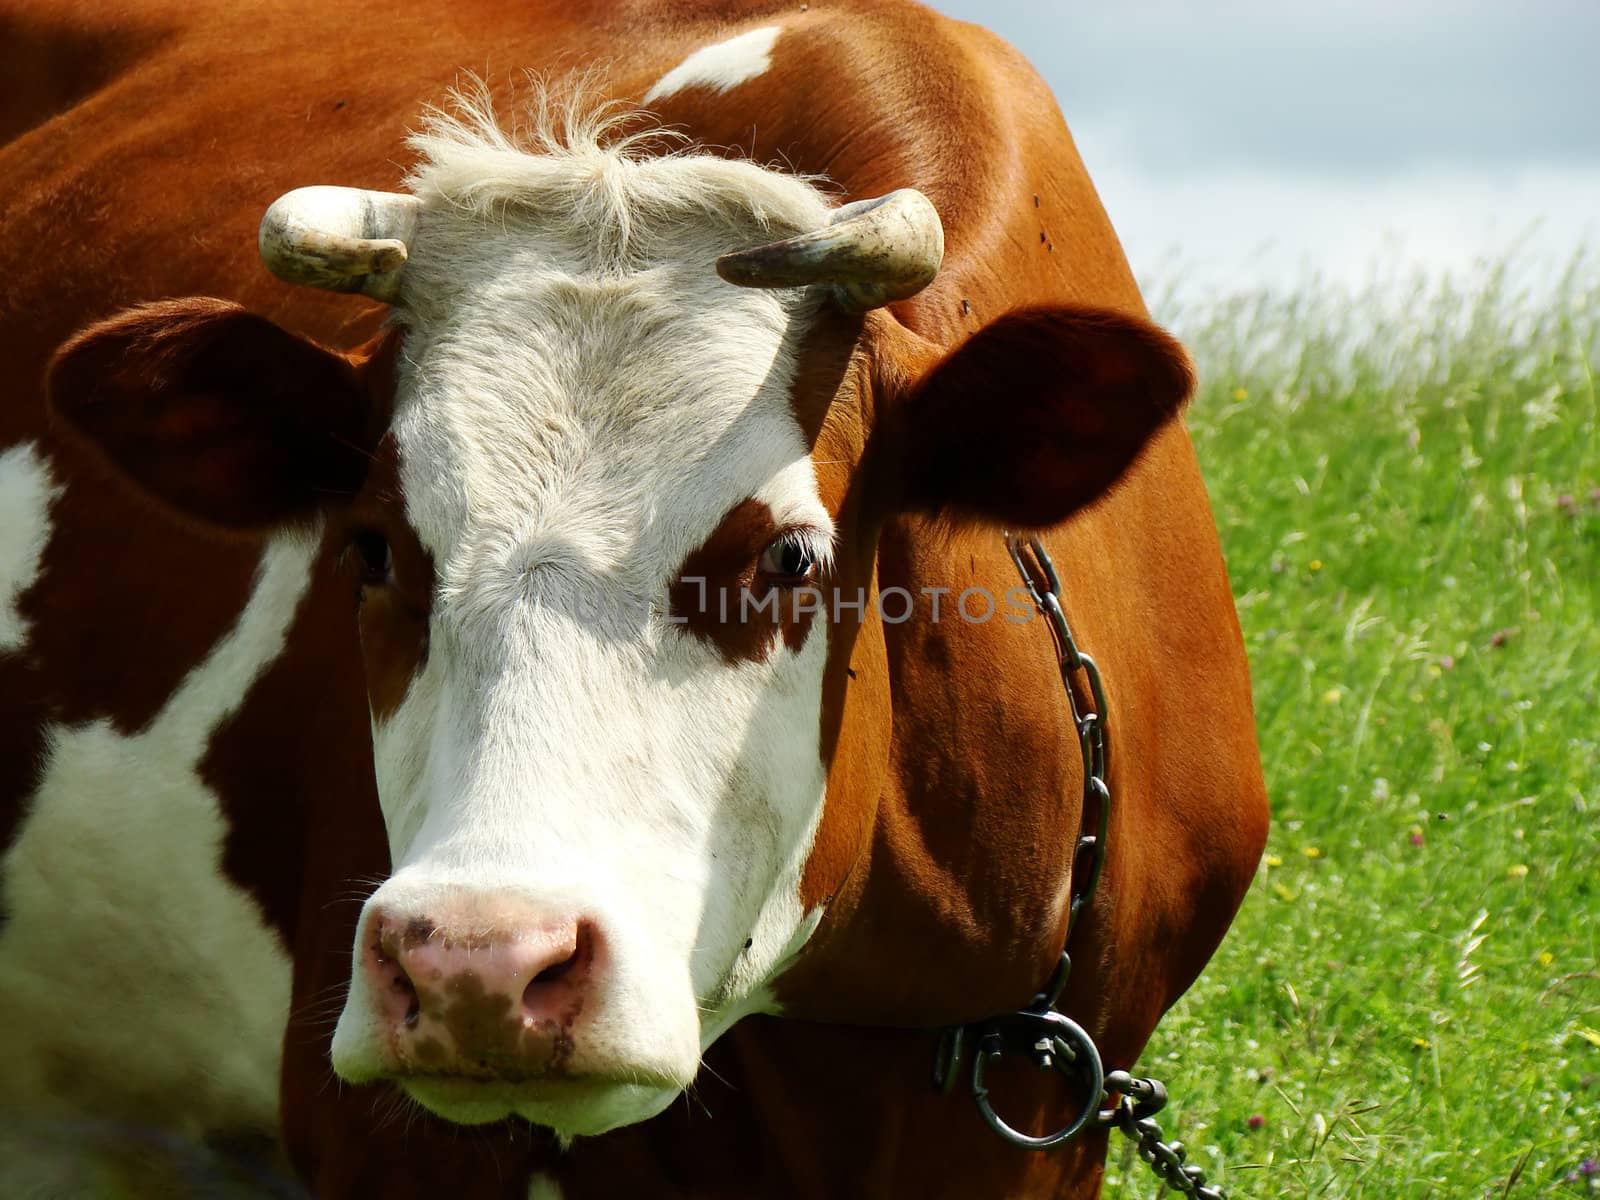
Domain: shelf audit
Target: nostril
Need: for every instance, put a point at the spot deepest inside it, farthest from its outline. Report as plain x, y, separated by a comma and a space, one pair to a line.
403, 988
403, 999
555, 972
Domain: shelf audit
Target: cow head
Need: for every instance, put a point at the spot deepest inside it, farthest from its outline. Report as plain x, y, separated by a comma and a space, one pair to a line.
578, 488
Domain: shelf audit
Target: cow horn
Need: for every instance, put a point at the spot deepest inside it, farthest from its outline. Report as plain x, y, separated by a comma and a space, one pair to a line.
340, 239
872, 252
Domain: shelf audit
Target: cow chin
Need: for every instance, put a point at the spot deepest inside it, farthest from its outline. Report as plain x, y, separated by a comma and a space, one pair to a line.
577, 1098
570, 1107
577, 1080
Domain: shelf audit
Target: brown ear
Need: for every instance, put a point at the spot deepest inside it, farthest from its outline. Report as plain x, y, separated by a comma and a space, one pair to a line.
1036, 415
216, 412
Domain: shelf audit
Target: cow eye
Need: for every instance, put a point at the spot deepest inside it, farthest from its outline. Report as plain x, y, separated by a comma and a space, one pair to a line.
373, 556
788, 559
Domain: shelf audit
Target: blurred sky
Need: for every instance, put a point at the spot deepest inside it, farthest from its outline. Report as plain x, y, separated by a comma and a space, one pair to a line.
1239, 142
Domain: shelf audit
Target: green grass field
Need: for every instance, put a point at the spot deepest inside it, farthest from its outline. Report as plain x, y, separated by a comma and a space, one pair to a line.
1409, 1003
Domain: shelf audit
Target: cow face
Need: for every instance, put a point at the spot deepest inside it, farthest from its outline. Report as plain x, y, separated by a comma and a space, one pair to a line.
586, 510
599, 803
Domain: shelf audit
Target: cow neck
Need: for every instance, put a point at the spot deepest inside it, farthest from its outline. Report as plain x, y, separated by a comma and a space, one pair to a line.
1037, 1031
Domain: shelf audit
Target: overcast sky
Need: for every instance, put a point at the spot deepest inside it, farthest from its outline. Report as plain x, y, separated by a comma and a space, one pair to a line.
1247, 141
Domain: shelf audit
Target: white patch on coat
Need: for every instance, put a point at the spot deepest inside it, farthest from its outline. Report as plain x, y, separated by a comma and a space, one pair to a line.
26, 494
721, 67
138, 984
580, 402
543, 1187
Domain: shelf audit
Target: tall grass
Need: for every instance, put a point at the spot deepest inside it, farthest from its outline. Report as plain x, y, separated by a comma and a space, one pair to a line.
1408, 488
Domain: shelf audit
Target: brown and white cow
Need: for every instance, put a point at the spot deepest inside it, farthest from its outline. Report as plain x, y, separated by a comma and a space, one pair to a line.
467, 568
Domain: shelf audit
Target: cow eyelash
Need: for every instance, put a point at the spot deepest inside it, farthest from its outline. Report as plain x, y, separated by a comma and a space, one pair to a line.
791, 559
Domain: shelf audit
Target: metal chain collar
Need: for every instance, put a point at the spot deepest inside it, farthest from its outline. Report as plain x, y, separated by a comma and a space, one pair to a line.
1051, 1040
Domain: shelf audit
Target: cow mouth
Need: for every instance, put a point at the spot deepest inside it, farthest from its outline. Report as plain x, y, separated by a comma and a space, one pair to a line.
571, 1106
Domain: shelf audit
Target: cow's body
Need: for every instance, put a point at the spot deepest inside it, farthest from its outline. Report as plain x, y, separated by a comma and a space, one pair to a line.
188, 801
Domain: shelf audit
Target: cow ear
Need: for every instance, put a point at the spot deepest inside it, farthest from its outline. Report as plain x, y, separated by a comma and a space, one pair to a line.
1036, 415
216, 412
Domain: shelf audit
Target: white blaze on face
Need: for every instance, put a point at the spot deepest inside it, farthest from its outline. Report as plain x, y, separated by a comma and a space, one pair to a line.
580, 402
722, 67
26, 494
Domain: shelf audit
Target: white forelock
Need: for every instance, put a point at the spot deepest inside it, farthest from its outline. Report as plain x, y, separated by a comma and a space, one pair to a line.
605, 178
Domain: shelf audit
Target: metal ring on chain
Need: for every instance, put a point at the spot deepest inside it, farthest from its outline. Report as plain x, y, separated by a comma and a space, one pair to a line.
1055, 1041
